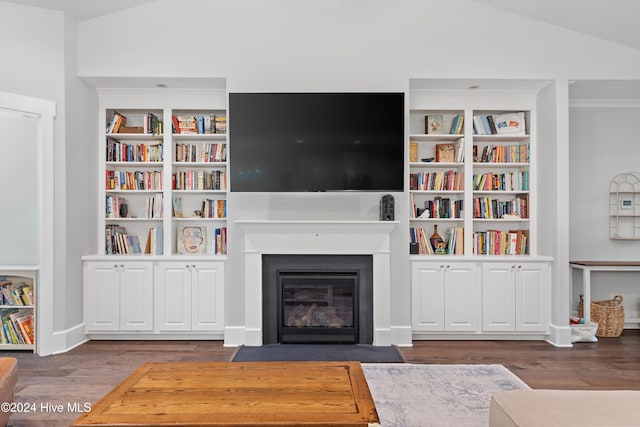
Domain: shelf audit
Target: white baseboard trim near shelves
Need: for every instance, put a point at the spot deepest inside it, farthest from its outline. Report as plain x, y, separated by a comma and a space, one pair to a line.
68, 339
559, 336
234, 336
402, 336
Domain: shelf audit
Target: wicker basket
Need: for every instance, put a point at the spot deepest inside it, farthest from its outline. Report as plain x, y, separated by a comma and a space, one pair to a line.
609, 314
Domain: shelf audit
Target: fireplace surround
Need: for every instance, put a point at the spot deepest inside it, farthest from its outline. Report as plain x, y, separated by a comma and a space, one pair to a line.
317, 299
268, 237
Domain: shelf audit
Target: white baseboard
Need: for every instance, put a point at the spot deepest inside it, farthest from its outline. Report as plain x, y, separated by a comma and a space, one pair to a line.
68, 339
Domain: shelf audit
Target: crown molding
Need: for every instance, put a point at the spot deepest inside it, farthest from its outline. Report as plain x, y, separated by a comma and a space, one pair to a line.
604, 103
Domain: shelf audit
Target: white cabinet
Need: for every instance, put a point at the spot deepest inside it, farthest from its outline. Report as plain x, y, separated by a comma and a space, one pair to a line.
118, 296
515, 296
190, 296
445, 296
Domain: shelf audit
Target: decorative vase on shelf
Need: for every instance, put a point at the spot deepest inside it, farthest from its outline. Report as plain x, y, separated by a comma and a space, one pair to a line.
437, 243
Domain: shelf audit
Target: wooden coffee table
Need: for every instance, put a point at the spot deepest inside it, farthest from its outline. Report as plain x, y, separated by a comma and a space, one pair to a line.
237, 394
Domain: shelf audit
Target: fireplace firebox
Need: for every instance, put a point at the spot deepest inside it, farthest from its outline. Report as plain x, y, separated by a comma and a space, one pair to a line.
317, 299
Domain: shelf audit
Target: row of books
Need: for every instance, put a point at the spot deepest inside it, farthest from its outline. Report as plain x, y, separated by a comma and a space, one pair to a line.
204, 152
119, 242
205, 124
497, 242
17, 327
137, 180
199, 180
450, 180
152, 124
214, 208
19, 294
439, 207
118, 151
492, 242
117, 207
453, 241
457, 124
498, 124
488, 208
517, 153
116, 122
220, 241
509, 181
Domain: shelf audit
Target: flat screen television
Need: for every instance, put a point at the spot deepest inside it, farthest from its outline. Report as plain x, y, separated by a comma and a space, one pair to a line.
300, 142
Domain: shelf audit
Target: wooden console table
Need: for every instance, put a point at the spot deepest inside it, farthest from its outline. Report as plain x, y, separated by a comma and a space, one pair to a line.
238, 394
588, 266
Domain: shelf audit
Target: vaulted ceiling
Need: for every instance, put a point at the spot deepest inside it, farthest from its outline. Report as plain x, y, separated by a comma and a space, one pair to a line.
617, 21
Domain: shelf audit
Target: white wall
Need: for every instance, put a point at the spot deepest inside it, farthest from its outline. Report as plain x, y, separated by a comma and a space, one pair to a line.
338, 44
603, 144
81, 216
35, 43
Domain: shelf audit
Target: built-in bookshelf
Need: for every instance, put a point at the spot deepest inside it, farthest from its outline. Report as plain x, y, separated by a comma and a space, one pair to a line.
437, 181
17, 309
469, 181
501, 175
165, 181
199, 181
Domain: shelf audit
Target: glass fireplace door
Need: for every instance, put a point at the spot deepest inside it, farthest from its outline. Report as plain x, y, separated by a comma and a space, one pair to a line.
318, 307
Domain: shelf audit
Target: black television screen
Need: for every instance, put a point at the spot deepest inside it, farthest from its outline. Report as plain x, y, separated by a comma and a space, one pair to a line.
282, 142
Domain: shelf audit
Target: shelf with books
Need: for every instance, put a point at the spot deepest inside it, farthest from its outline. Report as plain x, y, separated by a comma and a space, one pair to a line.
492, 166
134, 122
502, 173
199, 122
18, 309
428, 241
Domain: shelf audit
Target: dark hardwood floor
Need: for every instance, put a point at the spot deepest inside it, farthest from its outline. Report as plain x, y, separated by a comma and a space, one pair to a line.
88, 372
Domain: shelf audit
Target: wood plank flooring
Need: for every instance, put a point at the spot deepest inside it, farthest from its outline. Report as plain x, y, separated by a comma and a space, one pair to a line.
91, 370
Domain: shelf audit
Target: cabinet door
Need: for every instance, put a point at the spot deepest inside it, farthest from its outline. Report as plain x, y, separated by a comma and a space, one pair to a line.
532, 297
207, 285
101, 296
136, 296
173, 303
427, 284
461, 297
498, 296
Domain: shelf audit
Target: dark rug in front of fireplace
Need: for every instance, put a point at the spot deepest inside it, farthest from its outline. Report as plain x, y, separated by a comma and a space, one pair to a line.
364, 353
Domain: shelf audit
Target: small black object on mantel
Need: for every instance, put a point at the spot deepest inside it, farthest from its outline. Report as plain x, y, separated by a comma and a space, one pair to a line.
387, 208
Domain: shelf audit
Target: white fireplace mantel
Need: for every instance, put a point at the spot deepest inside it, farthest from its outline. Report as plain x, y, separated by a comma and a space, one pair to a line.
316, 237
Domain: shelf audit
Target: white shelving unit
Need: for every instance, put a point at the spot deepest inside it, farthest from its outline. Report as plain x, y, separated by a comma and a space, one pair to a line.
624, 207
452, 293
19, 293
179, 187
488, 211
183, 171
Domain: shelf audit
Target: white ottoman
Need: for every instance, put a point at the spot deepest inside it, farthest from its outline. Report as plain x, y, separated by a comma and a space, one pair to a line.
547, 408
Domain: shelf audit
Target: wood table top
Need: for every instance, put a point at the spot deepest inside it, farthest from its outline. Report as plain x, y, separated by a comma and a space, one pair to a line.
607, 263
238, 394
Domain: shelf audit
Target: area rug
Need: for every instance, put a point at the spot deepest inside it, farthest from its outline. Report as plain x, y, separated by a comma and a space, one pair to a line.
414, 395
318, 352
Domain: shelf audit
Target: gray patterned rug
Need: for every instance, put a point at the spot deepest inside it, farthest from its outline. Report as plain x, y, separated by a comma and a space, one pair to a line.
415, 395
